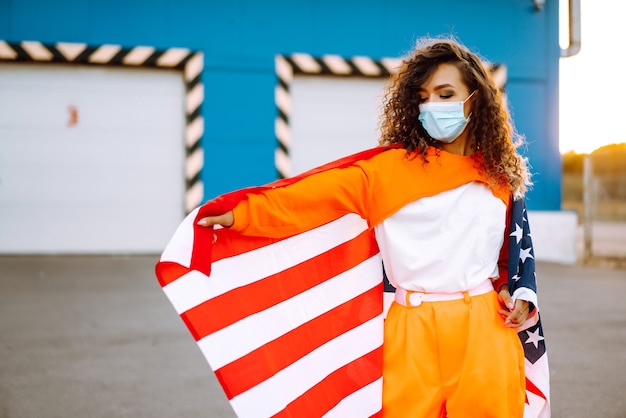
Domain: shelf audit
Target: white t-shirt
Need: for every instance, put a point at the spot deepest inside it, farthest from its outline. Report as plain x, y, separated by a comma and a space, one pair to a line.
446, 243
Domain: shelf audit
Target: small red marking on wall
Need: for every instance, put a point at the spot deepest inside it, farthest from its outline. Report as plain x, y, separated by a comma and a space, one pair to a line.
73, 120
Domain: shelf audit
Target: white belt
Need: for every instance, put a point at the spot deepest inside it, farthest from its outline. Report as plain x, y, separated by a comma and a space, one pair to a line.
412, 298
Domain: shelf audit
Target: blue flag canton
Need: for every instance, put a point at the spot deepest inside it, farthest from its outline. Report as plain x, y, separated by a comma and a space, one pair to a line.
533, 342
521, 254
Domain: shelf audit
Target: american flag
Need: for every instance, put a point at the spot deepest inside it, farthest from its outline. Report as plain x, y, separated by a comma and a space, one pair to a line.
522, 275
293, 327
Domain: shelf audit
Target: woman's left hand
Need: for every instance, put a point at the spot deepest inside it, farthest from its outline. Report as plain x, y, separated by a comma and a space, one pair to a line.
515, 314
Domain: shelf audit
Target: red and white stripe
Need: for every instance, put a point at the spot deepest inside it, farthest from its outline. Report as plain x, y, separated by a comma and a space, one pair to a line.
281, 340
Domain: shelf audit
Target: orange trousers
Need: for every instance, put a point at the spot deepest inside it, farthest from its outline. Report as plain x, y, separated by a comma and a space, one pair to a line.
452, 358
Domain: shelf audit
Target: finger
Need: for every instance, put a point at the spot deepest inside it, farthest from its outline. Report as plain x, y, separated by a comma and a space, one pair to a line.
208, 221
214, 220
512, 322
516, 318
513, 316
504, 313
505, 297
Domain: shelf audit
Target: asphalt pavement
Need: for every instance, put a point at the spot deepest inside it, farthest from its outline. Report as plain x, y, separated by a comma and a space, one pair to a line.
95, 336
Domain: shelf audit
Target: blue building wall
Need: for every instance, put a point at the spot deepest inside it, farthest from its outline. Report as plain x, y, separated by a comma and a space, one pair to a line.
240, 38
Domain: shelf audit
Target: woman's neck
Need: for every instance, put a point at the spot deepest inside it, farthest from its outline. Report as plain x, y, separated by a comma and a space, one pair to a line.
461, 146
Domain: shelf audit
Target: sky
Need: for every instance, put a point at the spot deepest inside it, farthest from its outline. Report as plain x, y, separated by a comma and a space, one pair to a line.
592, 98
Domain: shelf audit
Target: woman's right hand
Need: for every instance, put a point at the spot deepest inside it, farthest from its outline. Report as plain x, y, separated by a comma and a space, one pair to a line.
225, 219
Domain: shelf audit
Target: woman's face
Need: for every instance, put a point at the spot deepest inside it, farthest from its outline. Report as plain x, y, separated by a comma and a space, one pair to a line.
446, 85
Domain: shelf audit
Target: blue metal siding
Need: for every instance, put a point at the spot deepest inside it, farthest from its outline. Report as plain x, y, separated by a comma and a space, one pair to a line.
240, 38
239, 139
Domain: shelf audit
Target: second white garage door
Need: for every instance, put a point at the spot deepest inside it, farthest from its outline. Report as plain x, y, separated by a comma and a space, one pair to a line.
332, 117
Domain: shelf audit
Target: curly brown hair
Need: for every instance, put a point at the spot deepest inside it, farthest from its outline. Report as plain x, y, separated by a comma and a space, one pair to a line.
490, 129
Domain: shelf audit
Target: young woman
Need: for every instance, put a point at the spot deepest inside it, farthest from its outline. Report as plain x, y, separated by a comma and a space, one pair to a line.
437, 199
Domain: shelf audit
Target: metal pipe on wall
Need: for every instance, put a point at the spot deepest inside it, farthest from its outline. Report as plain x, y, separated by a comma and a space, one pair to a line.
574, 30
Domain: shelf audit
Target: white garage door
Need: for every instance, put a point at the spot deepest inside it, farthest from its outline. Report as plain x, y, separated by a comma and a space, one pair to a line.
332, 117
91, 159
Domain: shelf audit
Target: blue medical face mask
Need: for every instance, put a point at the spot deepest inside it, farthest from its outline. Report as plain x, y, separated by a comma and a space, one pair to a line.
444, 121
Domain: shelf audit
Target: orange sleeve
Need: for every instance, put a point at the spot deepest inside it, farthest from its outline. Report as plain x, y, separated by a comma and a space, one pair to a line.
307, 203
503, 260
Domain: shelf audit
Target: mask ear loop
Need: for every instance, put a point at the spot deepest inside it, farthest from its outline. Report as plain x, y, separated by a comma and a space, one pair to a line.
469, 97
